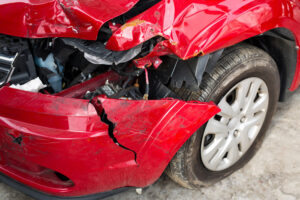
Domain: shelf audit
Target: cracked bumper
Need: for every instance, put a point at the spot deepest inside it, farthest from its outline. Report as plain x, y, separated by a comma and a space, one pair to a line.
59, 145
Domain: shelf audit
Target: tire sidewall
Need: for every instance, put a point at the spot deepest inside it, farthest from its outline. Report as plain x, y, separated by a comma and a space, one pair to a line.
263, 68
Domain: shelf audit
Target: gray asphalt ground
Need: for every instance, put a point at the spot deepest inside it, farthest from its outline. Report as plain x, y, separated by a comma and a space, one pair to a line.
274, 173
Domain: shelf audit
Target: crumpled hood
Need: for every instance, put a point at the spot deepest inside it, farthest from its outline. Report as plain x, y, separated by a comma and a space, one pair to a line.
59, 18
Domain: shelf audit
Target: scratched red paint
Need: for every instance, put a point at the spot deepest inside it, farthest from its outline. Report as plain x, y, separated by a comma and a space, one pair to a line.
67, 135
195, 27
191, 27
63, 18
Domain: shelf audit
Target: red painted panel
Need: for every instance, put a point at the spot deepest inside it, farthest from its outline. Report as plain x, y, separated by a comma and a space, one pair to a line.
191, 27
59, 18
196, 27
66, 135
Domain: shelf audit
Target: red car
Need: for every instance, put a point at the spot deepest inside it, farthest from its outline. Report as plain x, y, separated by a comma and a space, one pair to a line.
98, 96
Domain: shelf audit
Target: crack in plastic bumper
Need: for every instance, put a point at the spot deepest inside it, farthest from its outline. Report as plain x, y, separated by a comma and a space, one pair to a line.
66, 135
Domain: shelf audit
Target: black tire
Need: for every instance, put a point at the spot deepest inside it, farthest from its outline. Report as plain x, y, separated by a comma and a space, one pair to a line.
236, 64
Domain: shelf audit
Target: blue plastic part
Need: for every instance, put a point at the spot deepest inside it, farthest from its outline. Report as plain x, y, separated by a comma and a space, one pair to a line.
55, 80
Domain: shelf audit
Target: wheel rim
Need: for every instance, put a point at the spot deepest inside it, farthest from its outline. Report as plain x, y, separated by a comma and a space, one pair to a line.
229, 135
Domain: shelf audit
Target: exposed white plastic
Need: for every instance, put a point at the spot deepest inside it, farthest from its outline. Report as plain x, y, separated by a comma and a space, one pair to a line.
34, 85
139, 191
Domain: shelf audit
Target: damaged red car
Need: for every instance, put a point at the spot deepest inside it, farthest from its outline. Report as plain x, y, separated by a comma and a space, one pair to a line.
99, 96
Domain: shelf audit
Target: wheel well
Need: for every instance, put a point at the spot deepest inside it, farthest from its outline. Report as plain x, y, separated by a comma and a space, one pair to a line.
281, 45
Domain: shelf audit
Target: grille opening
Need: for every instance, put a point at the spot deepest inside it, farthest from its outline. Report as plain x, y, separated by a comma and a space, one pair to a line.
62, 177
36, 173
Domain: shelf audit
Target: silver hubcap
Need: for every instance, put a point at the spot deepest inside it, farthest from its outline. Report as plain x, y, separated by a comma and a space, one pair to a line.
230, 134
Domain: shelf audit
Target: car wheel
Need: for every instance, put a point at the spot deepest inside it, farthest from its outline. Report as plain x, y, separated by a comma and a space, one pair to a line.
245, 85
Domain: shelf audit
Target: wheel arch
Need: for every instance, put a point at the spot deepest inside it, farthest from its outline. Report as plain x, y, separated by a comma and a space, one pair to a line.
280, 44
223, 77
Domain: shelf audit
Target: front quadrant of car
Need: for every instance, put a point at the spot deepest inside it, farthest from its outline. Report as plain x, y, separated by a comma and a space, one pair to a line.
98, 96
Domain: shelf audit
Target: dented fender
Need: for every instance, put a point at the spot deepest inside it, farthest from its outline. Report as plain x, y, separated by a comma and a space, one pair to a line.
193, 27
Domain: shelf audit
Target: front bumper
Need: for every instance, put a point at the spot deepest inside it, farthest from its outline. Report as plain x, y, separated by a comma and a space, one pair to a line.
42, 196
59, 145
44, 138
